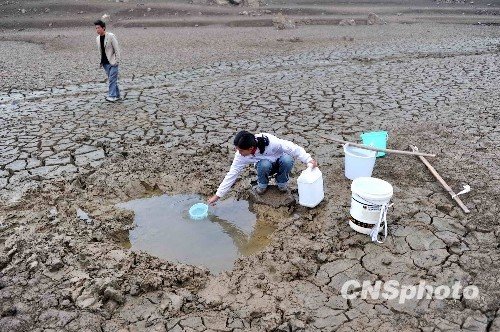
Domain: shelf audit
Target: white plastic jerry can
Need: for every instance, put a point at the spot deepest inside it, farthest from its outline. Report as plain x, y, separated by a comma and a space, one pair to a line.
310, 184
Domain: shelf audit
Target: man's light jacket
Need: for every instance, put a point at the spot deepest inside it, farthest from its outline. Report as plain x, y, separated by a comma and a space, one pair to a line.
111, 48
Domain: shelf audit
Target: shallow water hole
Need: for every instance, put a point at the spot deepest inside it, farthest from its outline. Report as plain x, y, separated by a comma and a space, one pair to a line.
164, 229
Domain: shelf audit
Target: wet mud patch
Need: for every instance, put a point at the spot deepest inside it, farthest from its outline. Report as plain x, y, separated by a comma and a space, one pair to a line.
164, 229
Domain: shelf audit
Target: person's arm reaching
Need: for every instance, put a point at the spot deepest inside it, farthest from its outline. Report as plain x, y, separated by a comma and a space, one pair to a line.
236, 168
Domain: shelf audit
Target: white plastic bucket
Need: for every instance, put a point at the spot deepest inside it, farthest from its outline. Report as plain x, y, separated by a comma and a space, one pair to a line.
369, 203
310, 185
358, 162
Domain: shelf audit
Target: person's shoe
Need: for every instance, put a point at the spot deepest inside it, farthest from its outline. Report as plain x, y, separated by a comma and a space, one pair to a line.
283, 188
111, 99
260, 190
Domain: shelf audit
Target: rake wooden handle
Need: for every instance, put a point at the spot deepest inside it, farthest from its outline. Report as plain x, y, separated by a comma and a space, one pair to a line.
367, 147
441, 180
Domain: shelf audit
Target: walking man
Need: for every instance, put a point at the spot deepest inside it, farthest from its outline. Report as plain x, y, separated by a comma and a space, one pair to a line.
107, 45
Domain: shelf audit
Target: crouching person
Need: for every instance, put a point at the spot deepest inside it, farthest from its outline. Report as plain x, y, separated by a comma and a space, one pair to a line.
271, 156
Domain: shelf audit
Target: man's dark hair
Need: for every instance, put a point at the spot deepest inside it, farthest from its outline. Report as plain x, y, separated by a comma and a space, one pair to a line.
100, 23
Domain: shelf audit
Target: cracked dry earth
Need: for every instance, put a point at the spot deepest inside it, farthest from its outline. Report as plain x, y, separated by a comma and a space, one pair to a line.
64, 148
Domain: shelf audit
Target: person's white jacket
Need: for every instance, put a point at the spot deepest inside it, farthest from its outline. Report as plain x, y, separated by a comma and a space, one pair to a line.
111, 48
276, 148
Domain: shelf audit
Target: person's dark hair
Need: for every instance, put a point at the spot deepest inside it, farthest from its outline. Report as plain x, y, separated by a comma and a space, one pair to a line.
245, 140
100, 23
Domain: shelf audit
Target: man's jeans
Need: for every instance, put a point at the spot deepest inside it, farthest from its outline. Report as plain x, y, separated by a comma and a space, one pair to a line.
112, 72
281, 167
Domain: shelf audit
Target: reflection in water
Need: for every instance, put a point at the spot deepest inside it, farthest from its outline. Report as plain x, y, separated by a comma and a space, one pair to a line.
164, 229
247, 244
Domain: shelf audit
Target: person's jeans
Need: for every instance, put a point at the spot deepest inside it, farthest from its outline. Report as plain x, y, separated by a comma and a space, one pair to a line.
112, 72
281, 167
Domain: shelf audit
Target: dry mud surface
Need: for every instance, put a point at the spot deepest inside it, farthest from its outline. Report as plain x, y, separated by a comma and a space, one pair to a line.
187, 91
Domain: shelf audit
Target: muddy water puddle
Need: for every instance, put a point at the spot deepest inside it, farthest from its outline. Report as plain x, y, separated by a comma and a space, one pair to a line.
164, 229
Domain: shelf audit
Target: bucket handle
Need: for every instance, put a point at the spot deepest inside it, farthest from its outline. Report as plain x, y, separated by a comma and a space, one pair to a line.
382, 218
